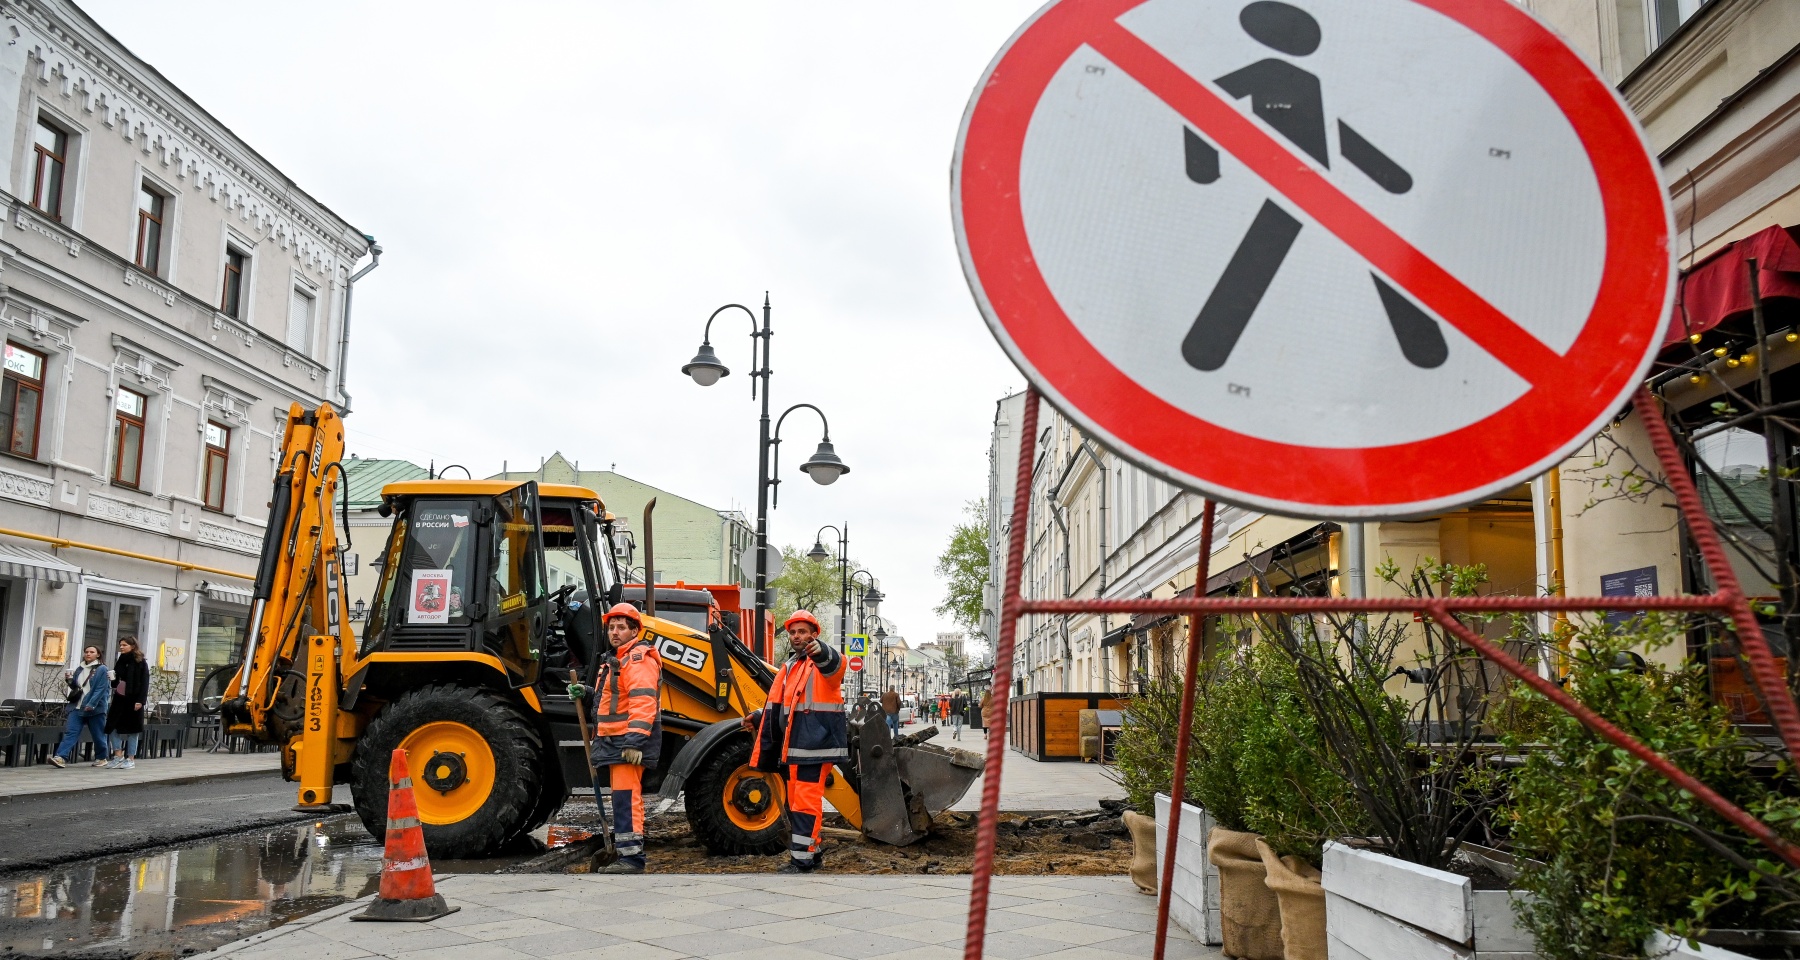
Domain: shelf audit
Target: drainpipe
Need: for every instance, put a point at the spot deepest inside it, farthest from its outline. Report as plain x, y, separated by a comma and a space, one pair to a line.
1355, 583
1087, 447
344, 330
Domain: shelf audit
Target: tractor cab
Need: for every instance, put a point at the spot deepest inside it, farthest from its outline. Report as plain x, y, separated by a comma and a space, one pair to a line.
514, 574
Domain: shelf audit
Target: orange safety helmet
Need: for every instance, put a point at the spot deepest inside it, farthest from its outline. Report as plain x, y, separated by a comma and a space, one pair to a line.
624, 610
802, 616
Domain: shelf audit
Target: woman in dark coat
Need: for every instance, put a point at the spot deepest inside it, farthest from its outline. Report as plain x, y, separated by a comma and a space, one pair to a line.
125, 717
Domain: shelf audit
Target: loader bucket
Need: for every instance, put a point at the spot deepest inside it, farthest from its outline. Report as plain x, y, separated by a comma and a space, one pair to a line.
906, 784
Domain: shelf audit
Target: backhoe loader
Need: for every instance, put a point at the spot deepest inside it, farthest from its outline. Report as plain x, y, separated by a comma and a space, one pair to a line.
465, 660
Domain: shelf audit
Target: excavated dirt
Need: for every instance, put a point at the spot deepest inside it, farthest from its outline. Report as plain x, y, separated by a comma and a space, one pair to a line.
1086, 843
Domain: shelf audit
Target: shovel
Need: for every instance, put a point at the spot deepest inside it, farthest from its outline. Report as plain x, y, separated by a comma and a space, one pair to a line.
608, 853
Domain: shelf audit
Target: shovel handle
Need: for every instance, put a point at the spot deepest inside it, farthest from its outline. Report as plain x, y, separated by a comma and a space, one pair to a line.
587, 752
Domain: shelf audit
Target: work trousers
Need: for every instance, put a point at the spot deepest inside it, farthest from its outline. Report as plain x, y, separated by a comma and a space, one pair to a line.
627, 780
94, 723
806, 808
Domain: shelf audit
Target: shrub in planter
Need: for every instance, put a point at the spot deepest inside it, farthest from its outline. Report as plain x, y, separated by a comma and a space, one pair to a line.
1623, 852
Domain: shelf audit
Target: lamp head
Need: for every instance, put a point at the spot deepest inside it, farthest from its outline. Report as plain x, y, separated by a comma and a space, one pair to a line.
818, 553
705, 368
824, 467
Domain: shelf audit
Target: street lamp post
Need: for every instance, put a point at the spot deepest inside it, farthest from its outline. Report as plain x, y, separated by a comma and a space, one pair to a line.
817, 554
823, 466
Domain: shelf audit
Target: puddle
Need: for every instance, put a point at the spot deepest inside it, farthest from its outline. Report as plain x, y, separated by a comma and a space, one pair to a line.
198, 896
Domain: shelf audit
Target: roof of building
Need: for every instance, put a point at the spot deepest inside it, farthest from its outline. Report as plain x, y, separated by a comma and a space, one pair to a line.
558, 469
364, 478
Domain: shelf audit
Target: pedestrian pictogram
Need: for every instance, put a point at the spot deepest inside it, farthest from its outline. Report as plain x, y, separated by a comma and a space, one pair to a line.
1352, 258
857, 644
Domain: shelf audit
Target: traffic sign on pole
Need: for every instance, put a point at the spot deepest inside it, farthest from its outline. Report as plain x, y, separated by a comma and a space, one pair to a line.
858, 644
856, 664
1343, 258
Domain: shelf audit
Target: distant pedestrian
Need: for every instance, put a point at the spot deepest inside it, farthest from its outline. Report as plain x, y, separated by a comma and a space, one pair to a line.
987, 707
890, 705
125, 718
90, 690
959, 705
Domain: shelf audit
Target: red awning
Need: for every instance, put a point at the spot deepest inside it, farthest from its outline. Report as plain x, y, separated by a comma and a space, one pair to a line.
1718, 288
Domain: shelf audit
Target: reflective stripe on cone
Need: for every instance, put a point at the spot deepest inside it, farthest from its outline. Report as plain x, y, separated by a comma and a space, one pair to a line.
407, 891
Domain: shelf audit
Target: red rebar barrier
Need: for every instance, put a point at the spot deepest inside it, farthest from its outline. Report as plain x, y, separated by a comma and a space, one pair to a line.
1729, 599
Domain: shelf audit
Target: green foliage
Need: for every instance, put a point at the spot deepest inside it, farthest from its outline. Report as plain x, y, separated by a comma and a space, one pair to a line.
1250, 763
1622, 851
805, 584
964, 567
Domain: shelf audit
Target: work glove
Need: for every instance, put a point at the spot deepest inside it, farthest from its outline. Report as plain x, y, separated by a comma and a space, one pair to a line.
751, 720
632, 756
577, 692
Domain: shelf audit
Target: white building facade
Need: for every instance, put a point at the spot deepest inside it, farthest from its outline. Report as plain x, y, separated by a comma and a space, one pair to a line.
165, 294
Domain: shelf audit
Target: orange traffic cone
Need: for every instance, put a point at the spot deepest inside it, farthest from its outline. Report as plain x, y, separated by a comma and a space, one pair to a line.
407, 892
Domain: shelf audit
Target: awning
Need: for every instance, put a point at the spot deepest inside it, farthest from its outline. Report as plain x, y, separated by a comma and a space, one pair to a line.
1718, 288
35, 565
1115, 637
226, 594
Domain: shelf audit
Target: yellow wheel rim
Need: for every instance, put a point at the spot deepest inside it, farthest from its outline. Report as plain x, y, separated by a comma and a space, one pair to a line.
452, 771
752, 799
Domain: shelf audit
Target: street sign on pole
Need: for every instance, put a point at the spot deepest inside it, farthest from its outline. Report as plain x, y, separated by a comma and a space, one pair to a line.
858, 644
747, 560
1339, 258
856, 664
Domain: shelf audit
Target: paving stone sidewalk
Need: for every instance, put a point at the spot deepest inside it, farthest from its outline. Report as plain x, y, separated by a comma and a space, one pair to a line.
1027, 784
196, 764
741, 917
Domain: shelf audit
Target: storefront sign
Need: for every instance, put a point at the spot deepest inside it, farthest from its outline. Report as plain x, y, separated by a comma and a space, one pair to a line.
1340, 258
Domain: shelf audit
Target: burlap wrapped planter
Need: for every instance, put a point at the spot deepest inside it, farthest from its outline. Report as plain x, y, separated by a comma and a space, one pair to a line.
1249, 912
1302, 898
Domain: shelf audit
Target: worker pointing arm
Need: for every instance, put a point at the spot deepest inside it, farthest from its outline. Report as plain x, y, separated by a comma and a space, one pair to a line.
802, 726
627, 728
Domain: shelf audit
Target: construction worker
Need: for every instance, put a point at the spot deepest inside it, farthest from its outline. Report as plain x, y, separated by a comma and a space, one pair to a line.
627, 727
802, 726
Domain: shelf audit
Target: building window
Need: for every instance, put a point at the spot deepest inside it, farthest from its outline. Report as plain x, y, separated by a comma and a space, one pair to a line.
218, 460
150, 229
231, 301
300, 322
22, 400
52, 159
1669, 15
128, 453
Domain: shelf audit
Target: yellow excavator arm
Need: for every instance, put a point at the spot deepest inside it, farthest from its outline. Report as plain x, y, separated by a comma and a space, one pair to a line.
287, 689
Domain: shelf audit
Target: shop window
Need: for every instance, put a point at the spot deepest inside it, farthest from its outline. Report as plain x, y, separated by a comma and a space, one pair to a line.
52, 163
216, 644
218, 464
108, 618
128, 440
22, 400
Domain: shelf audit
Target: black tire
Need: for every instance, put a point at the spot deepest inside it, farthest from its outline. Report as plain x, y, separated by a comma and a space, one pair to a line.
706, 814
212, 689
518, 767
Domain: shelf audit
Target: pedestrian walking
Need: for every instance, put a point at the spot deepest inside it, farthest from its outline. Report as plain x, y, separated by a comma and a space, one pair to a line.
890, 705
90, 690
959, 705
987, 707
125, 718
627, 728
802, 726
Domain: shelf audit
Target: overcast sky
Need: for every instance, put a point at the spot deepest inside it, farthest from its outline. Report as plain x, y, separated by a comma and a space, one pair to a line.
565, 191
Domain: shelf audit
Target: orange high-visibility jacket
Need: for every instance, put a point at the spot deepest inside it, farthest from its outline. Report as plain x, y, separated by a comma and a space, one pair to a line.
627, 703
803, 720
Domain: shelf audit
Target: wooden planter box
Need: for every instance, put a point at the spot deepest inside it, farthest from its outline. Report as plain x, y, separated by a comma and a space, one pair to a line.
1194, 901
1047, 726
1381, 908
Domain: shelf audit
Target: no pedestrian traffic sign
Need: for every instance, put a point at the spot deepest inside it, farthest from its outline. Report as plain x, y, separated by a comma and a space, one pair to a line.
1344, 258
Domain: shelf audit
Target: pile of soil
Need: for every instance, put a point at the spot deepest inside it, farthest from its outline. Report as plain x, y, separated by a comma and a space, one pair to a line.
1085, 843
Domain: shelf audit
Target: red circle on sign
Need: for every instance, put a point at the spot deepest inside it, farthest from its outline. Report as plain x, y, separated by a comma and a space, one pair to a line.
856, 664
1585, 387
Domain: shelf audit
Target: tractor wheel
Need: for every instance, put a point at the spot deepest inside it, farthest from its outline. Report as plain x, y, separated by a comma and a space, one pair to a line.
733, 809
476, 766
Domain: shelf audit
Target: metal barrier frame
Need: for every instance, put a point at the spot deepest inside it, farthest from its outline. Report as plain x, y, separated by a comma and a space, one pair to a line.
1728, 600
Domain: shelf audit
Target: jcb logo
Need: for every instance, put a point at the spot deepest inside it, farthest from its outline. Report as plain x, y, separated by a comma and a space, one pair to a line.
693, 658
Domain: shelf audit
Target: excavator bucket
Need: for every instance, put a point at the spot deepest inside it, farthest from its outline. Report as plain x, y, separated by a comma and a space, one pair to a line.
907, 782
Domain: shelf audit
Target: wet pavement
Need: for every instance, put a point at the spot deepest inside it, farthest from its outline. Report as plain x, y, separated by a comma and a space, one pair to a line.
198, 896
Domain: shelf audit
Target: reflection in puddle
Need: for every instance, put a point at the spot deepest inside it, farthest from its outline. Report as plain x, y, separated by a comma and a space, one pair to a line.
212, 892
